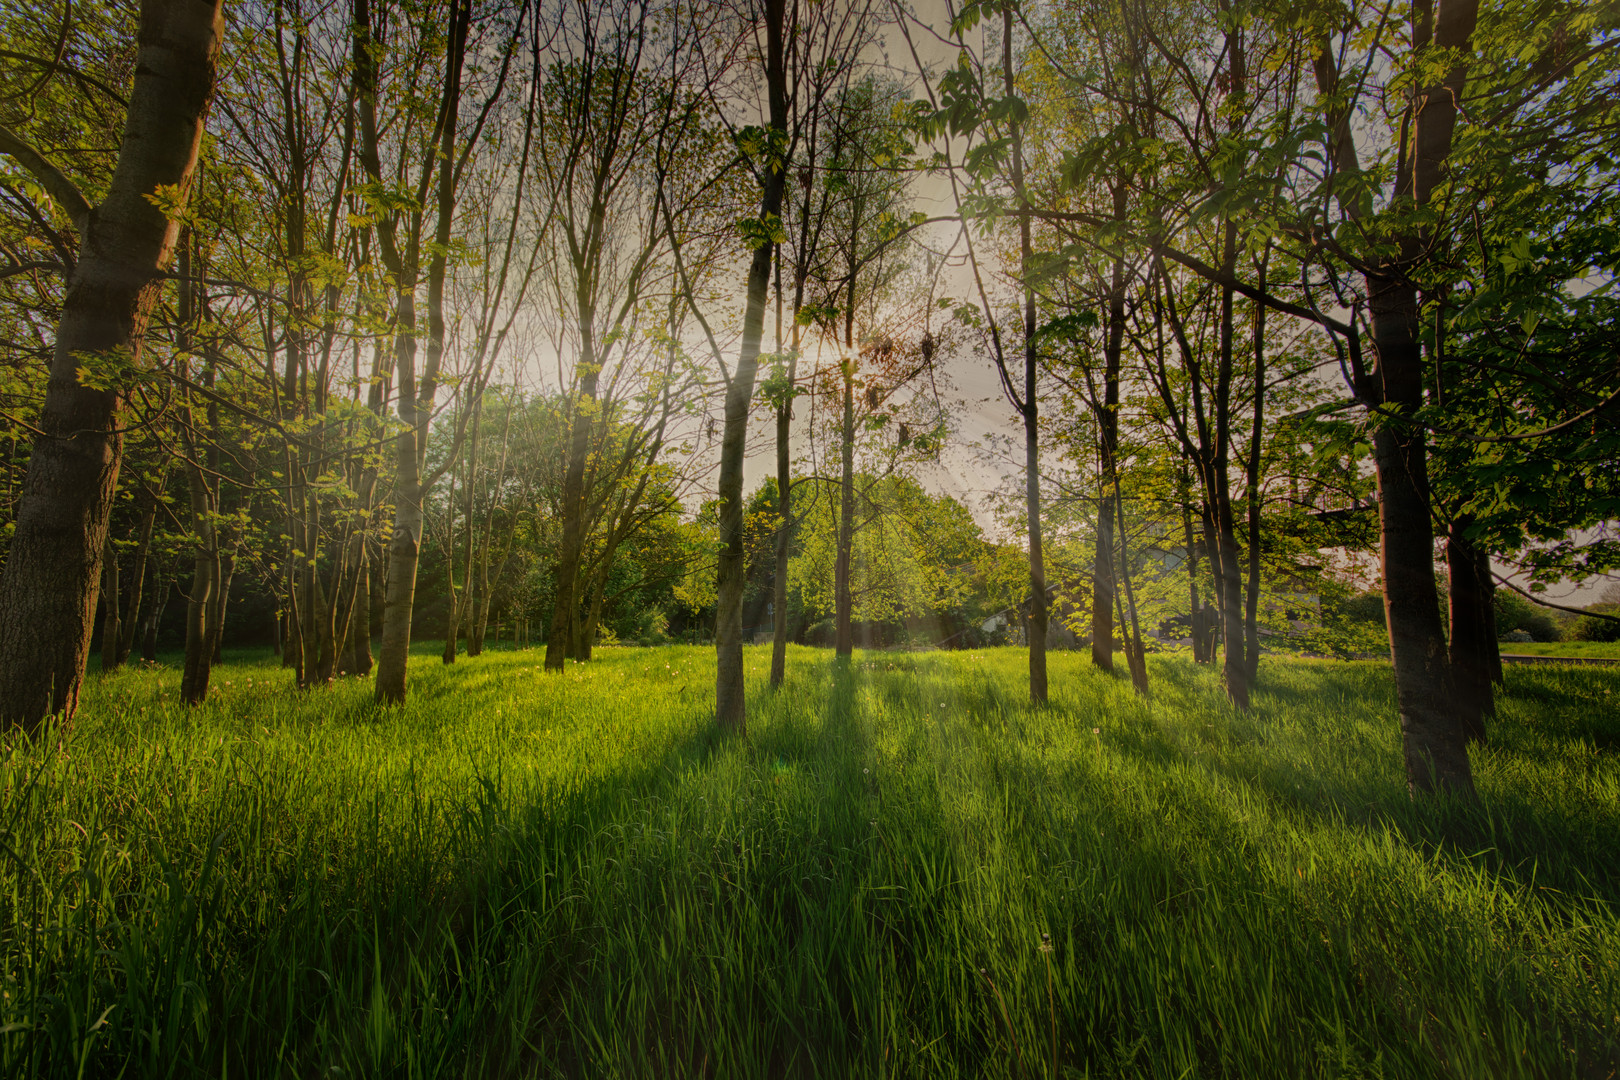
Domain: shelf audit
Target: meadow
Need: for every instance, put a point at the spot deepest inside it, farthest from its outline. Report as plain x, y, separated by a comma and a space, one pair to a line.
903, 872
1596, 650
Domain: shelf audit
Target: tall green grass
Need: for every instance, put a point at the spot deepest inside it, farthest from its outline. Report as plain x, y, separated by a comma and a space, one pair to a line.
523, 875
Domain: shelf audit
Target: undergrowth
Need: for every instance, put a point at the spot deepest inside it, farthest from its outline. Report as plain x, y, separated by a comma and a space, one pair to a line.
523, 875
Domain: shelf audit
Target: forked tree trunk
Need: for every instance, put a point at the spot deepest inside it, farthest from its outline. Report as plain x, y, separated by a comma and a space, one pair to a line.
53, 568
730, 705
415, 394
1434, 736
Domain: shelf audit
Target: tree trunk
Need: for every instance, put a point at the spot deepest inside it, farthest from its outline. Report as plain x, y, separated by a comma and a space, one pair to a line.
110, 628
730, 705
784, 532
204, 577
843, 593
53, 569
415, 395
561, 641
1135, 652
1434, 735
1471, 642
1195, 612
143, 560
452, 629
1251, 600
1030, 405
194, 677
216, 629
360, 631
404, 547
149, 636
1229, 582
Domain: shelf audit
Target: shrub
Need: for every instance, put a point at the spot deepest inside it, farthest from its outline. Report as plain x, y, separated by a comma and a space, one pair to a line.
1514, 612
1590, 628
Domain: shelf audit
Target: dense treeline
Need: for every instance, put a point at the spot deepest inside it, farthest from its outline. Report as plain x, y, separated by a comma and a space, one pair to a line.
336, 323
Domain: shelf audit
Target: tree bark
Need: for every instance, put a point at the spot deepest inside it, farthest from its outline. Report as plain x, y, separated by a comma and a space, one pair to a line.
48, 592
1472, 647
843, 593
1229, 582
110, 628
143, 560
416, 395
1135, 652
1251, 600
1195, 612
216, 628
1031, 401
1434, 736
149, 634
784, 463
730, 705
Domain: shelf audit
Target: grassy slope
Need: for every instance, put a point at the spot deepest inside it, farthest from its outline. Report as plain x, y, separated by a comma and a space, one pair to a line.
522, 875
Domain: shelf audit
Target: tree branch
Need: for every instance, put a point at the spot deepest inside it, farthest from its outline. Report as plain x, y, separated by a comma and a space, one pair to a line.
63, 190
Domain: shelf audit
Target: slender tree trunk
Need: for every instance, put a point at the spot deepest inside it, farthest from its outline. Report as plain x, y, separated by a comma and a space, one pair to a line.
199, 604
1195, 612
53, 568
110, 628
843, 593
149, 634
216, 627
561, 641
1471, 642
365, 598
784, 525
415, 395
452, 628
1031, 400
1135, 652
730, 705
404, 546
1229, 584
143, 560
1251, 613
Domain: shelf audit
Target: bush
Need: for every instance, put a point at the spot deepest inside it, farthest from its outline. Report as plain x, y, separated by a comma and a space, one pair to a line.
1514, 612
1367, 607
1590, 628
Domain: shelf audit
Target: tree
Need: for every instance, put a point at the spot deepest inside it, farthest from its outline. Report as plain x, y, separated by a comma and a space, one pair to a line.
769, 156
48, 592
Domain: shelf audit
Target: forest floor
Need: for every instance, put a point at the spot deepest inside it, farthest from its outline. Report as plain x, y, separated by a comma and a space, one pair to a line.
523, 875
